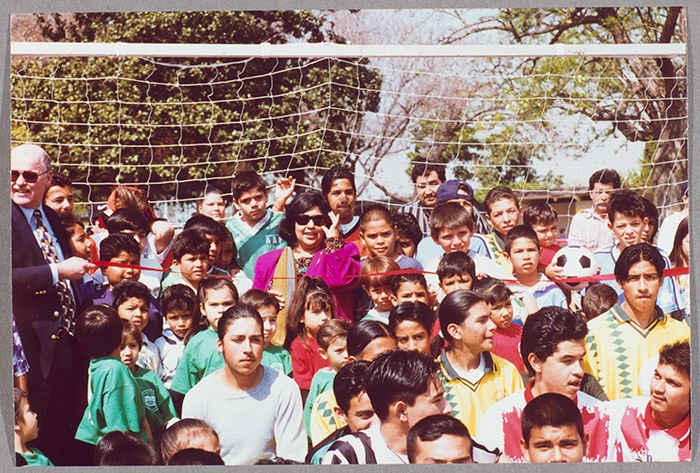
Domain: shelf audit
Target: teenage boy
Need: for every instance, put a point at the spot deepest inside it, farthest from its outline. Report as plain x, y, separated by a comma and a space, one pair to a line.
552, 429
657, 428
338, 190
379, 235
404, 388
190, 259
254, 227
256, 411
502, 213
622, 339
522, 249
439, 439
426, 180
351, 407
590, 228
553, 349
628, 221
59, 196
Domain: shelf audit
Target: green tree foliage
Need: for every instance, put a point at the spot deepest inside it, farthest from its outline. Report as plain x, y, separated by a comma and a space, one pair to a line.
645, 99
175, 123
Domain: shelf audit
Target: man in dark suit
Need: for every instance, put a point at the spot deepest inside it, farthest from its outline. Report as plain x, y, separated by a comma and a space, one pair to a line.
43, 308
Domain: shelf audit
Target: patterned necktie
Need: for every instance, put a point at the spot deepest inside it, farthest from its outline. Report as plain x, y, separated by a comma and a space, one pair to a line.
66, 297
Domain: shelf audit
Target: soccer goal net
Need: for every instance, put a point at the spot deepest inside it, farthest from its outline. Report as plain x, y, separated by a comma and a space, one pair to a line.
172, 118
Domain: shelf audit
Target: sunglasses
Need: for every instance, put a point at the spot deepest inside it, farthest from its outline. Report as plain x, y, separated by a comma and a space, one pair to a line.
319, 220
30, 176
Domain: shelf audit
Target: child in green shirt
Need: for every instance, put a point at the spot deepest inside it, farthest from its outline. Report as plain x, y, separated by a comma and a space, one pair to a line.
26, 430
154, 395
275, 357
113, 400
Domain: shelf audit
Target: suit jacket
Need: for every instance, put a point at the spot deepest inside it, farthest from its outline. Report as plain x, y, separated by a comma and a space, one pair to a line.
35, 303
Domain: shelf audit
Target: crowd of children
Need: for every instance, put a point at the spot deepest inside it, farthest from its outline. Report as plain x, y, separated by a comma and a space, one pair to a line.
316, 332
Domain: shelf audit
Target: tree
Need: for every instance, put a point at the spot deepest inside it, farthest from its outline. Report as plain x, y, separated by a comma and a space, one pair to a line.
176, 123
645, 99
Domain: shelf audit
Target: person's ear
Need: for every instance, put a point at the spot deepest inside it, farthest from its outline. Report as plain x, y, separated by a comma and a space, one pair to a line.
399, 411
323, 353
535, 362
394, 300
340, 414
523, 448
219, 346
586, 442
453, 330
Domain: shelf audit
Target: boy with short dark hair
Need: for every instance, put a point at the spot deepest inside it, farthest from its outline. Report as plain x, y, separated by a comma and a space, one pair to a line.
190, 259
590, 227
553, 430
543, 219
59, 196
439, 439
628, 221
253, 226
456, 271
352, 407
409, 233
377, 286
403, 387
502, 213
179, 308
132, 301
523, 251
451, 227
27, 429
598, 299
553, 349
114, 404
332, 340
410, 287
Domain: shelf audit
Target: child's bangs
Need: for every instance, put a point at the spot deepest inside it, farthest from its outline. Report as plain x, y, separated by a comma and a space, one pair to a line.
319, 301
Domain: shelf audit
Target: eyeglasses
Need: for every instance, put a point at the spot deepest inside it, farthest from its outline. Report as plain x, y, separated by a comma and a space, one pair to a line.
319, 220
30, 176
431, 185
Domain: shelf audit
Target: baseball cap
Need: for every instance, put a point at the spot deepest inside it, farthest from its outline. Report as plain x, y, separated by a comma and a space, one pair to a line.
448, 191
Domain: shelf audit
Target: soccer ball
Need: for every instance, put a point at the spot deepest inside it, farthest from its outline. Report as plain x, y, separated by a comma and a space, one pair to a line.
576, 262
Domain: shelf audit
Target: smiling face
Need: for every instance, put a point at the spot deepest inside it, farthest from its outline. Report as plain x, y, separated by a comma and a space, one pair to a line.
341, 199
670, 396
310, 236
60, 198
80, 243
28, 160
252, 205
242, 346
426, 188
503, 215
360, 415
381, 296
380, 238
562, 372
213, 206
641, 287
